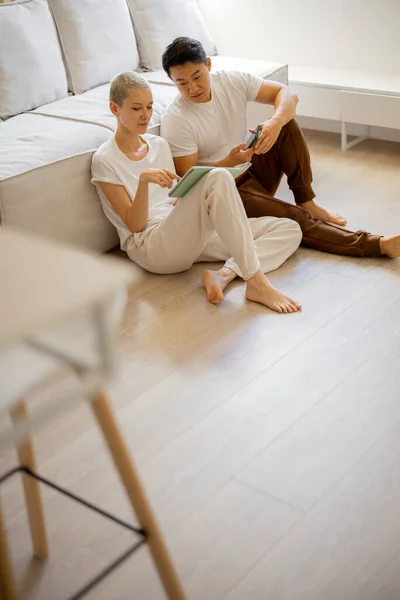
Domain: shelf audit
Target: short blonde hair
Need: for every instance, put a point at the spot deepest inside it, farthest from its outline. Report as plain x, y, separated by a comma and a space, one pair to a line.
124, 82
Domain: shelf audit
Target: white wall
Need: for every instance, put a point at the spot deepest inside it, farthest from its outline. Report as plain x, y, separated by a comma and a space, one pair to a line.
361, 35
356, 34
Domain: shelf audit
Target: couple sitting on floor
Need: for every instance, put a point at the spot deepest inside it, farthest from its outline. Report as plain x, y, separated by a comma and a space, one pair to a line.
220, 219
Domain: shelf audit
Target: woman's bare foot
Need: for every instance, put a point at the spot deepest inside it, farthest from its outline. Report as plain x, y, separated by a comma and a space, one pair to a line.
259, 289
320, 213
215, 282
390, 246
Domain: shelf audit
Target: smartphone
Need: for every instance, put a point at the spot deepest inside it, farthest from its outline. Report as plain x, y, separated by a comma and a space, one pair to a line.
253, 138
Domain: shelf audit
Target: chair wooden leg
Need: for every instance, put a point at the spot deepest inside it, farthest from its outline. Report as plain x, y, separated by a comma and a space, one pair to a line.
7, 589
33, 498
122, 460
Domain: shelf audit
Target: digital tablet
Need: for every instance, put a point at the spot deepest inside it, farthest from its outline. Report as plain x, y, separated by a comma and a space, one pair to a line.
194, 175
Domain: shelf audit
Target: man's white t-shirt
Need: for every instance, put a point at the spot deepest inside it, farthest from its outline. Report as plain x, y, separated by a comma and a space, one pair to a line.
110, 165
211, 128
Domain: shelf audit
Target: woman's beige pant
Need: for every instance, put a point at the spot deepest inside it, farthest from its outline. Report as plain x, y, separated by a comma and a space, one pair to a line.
210, 224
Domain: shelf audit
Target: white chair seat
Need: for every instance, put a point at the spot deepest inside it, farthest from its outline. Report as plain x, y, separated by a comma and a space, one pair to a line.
24, 366
21, 370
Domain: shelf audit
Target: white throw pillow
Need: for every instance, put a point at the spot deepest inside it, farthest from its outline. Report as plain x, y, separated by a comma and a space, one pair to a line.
158, 22
97, 39
32, 72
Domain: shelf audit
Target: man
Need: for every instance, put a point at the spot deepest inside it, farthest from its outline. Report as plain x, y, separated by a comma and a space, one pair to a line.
206, 124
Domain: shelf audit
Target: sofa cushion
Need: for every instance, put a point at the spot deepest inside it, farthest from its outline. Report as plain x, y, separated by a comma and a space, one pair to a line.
32, 72
158, 22
90, 107
93, 107
45, 184
30, 141
97, 38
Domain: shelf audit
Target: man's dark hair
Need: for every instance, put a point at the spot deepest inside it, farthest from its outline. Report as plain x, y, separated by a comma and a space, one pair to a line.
181, 51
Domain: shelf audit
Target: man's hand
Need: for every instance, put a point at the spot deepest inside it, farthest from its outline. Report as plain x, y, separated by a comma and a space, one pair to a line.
161, 177
239, 154
270, 131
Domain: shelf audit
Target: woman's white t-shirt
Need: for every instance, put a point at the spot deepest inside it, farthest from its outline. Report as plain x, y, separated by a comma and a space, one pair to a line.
110, 165
212, 128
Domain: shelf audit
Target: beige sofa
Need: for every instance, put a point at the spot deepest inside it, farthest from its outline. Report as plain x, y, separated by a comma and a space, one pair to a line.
57, 58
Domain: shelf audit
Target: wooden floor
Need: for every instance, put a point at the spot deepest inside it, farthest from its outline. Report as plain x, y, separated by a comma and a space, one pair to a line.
269, 444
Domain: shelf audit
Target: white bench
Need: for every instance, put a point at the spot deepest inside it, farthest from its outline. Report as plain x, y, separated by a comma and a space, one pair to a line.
371, 99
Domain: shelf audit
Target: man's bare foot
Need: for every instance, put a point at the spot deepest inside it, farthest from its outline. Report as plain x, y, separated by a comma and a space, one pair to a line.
320, 213
259, 289
215, 282
390, 246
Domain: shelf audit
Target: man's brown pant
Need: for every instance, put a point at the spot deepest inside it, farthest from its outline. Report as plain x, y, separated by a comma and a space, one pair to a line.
290, 156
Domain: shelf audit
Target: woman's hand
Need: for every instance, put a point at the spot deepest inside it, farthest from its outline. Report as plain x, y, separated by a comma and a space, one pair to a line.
161, 177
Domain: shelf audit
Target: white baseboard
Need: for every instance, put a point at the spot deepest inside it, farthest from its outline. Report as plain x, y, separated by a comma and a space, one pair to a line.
377, 133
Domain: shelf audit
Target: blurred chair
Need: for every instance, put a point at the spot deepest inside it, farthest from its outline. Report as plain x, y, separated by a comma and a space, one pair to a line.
84, 341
